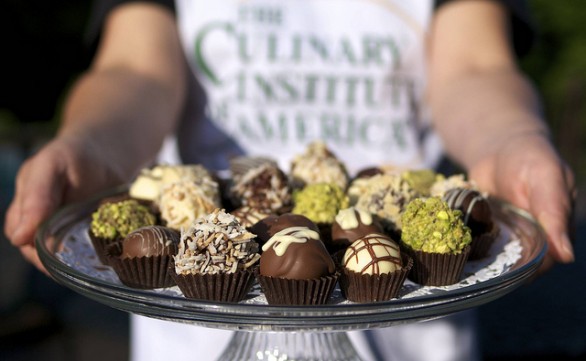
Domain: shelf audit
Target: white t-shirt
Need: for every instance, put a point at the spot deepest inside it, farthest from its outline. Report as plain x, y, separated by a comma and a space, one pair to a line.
276, 75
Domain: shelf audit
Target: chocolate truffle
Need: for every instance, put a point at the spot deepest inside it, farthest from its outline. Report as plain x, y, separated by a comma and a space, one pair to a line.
435, 236
248, 216
296, 253
373, 254
369, 172
476, 212
291, 220
351, 224
115, 220
149, 184
262, 229
320, 202
386, 196
430, 225
215, 244
150, 241
442, 184
182, 202
318, 165
239, 165
263, 187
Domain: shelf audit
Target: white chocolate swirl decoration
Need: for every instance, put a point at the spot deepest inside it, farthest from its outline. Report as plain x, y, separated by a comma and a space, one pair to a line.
374, 254
282, 239
457, 197
347, 218
150, 241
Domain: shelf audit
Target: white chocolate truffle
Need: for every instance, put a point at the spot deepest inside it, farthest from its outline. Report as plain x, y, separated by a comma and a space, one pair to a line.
442, 185
318, 165
386, 196
149, 184
183, 202
373, 254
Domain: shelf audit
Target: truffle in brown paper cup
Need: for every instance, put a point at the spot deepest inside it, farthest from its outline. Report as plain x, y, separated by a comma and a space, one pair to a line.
283, 291
221, 287
101, 246
481, 244
140, 272
437, 269
365, 288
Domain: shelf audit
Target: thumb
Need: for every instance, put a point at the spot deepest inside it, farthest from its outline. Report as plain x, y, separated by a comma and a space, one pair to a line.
39, 192
552, 206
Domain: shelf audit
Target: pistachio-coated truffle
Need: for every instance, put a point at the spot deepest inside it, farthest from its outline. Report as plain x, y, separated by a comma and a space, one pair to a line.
430, 225
420, 180
320, 202
117, 220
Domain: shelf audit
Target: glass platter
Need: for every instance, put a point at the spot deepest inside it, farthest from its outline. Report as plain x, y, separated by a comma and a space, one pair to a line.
67, 254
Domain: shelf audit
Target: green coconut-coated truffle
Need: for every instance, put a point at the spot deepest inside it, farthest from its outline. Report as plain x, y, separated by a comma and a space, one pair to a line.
429, 225
320, 202
420, 180
116, 220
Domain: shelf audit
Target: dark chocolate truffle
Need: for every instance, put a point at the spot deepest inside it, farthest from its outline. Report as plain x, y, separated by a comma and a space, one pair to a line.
248, 217
150, 241
296, 253
291, 220
475, 209
351, 224
267, 227
369, 172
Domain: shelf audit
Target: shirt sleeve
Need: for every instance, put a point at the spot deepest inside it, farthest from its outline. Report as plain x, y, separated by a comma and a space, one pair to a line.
101, 9
521, 22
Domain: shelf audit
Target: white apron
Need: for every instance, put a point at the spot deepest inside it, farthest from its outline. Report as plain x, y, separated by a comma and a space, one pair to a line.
275, 75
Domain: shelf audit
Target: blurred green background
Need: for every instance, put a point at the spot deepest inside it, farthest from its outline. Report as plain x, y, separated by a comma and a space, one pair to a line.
43, 50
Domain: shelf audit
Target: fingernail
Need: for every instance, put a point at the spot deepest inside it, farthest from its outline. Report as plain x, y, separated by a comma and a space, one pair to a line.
566, 248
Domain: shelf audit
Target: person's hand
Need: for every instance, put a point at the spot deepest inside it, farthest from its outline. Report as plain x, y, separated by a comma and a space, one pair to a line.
65, 170
527, 172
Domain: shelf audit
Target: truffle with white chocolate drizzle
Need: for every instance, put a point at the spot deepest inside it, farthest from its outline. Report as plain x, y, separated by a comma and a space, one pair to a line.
351, 224
373, 254
476, 212
296, 253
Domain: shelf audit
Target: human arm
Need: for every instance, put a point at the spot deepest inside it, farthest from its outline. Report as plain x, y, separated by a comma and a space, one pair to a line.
114, 121
489, 117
